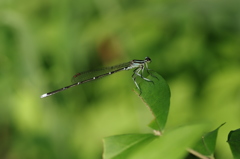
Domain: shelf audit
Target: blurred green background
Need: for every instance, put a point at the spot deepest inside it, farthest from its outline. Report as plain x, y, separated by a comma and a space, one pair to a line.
193, 44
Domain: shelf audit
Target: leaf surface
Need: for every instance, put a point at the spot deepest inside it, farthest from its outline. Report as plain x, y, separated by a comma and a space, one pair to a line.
156, 95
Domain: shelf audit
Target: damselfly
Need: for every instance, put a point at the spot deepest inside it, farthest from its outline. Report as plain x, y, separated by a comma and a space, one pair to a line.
88, 76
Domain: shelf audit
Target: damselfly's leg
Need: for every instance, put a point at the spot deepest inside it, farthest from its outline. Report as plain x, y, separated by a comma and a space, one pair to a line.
135, 72
140, 74
150, 72
146, 79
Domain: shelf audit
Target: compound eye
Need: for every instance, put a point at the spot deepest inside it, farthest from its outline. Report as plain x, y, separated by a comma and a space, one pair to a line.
148, 59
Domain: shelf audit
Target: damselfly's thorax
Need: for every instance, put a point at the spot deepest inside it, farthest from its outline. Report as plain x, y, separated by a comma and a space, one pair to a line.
147, 60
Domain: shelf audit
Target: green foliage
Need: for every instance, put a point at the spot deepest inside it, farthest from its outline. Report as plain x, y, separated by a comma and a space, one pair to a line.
116, 147
173, 144
234, 142
156, 95
170, 145
206, 146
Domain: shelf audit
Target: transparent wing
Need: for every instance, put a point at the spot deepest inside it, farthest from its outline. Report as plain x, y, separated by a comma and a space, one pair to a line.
95, 73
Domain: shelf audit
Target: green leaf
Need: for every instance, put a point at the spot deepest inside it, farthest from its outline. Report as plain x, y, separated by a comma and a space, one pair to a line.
154, 125
121, 146
171, 145
206, 146
234, 143
157, 97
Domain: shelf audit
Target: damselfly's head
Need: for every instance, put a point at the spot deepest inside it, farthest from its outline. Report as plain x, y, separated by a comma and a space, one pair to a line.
148, 60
